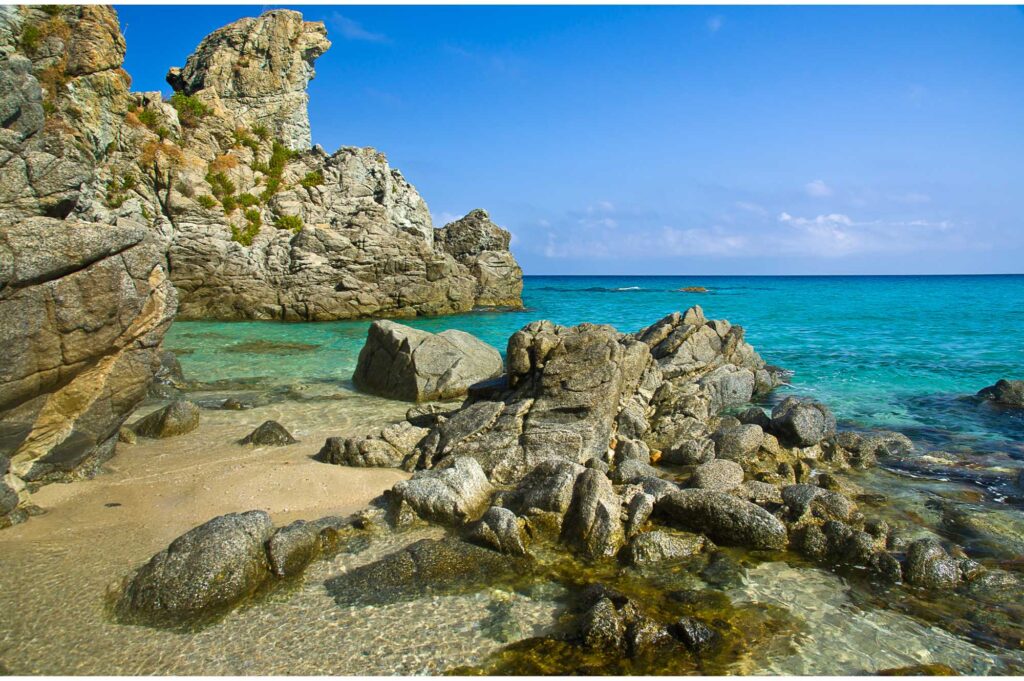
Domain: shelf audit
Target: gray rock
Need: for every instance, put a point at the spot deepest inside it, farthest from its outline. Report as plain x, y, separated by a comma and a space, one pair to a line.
657, 487
499, 529
408, 364
693, 632
601, 627
597, 465
638, 510
269, 433
385, 447
720, 475
452, 495
1009, 393
548, 487
802, 423
761, 493
429, 566
723, 518
737, 443
168, 380
593, 524
632, 450
177, 418
205, 570
482, 246
929, 566
293, 547
8, 495
631, 470
657, 546
426, 415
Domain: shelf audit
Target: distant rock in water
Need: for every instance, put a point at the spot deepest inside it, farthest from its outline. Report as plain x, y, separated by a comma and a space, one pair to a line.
408, 364
692, 289
1008, 393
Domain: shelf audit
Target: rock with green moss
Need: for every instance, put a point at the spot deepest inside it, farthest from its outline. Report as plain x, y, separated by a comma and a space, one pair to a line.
177, 418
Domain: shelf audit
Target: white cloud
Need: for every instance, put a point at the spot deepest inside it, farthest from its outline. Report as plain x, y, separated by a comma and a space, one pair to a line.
715, 23
353, 30
751, 207
818, 189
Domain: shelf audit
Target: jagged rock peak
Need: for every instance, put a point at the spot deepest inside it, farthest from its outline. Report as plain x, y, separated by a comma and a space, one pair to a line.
257, 69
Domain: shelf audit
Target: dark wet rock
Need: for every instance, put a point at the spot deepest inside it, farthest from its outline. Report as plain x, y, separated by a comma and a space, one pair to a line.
426, 415
270, 433
1009, 393
694, 633
755, 416
404, 363
929, 566
886, 566
996, 532
499, 529
293, 547
802, 422
232, 404
126, 435
657, 546
808, 503
632, 470
168, 379
207, 569
644, 636
429, 566
724, 518
548, 487
593, 524
718, 475
601, 627
451, 495
387, 446
933, 669
177, 418
737, 443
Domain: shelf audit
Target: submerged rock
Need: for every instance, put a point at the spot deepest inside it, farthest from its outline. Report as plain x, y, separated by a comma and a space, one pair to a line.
648, 548
408, 364
207, 569
726, 519
177, 418
269, 433
429, 566
293, 547
499, 529
929, 566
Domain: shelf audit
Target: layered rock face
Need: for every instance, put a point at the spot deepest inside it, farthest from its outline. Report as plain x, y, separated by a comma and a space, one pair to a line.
83, 306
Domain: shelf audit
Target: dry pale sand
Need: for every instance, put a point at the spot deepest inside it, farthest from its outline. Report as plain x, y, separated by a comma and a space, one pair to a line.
155, 490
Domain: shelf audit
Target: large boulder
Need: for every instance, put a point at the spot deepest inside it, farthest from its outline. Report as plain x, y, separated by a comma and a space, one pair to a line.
450, 495
387, 446
206, 570
404, 363
721, 475
802, 423
726, 519
499, 529
1008, 393
929, 566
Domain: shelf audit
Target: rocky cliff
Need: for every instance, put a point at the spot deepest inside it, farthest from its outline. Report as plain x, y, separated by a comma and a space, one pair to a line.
118, 209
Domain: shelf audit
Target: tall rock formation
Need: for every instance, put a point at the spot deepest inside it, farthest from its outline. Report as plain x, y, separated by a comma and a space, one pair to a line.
257, 70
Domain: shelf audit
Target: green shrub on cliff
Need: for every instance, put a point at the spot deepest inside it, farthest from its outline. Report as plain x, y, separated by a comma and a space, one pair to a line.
148, 118
261, 131
292, 223
312, 179
29, 42
190, 109
207, 201
221, 185
229, 203
247, 200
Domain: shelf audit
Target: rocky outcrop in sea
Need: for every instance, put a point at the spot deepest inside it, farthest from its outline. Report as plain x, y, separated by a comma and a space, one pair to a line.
121, 210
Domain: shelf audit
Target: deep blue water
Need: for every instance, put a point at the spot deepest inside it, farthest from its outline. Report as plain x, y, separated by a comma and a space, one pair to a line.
892, 351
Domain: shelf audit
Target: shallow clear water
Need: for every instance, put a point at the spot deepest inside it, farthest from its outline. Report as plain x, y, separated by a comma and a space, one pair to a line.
896, 352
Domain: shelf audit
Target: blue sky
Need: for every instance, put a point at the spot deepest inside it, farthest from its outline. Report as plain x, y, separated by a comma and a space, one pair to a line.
679, 140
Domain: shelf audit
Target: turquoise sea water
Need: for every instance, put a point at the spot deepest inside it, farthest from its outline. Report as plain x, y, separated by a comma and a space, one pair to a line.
895, 352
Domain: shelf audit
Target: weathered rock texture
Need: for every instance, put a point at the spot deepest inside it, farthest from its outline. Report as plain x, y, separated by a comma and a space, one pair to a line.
408, 364
257, 69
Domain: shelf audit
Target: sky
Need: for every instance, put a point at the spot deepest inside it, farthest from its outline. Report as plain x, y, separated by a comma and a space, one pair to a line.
679, 140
